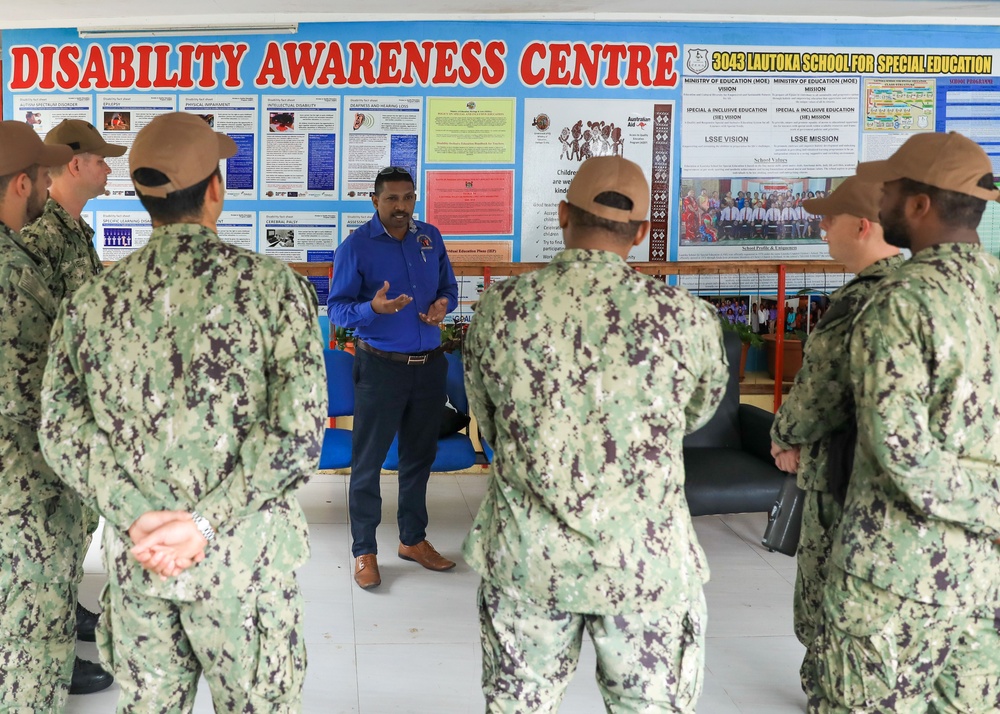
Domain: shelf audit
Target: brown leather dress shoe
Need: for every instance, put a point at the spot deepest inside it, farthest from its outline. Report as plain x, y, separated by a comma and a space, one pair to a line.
366, 571
424, 553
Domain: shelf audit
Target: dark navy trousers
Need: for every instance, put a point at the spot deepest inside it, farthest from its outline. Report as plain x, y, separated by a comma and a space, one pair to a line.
391, 397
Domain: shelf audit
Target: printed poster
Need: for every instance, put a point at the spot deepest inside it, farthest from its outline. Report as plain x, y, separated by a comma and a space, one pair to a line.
379, 132
471, 202
120, 117
299, 157
43, 111
476, 130
559, 134
237, 117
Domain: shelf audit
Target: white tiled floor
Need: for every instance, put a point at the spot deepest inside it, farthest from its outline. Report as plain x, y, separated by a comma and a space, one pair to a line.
412, 645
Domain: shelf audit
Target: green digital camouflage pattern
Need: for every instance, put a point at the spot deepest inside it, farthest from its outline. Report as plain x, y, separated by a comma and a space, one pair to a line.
821, 402
41, 523
881, 653
250, 648
190, 376
647, 662
66, 247
923, 507
585, 376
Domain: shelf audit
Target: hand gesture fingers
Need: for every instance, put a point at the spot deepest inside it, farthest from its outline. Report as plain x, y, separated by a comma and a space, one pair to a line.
384, 306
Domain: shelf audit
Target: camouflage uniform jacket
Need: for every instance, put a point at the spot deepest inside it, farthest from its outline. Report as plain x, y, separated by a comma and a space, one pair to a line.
26, 313
585, 376
190, 376
821, 401
66, 247
923, 507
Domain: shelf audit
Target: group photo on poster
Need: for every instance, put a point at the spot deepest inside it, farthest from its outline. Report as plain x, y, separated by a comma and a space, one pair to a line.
731, 212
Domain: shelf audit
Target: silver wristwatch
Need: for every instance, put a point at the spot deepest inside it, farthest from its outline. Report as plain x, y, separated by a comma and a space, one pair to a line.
203, 526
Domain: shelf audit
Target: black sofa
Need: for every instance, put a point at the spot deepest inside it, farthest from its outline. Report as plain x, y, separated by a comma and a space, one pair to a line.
728, 462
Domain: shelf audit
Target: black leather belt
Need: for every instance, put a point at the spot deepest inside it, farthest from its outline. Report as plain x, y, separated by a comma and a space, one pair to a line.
417, 359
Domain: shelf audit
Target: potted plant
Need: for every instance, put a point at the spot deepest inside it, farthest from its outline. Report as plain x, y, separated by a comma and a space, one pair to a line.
747, 336
344, 339
453, 335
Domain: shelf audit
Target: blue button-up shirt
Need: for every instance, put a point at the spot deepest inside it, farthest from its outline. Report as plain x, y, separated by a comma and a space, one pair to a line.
417, 266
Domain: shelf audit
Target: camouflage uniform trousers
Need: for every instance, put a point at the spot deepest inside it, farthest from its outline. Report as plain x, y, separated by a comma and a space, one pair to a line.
820, 517
38, 605
646, 662
878, 652
250, 648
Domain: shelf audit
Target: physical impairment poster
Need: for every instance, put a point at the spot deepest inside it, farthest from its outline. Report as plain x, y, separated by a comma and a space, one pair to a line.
476, 130
299, 155
298, 236
559, 134
121, 233
379, 132
236, 117
120, 117
43, 111
471, 202
238, 228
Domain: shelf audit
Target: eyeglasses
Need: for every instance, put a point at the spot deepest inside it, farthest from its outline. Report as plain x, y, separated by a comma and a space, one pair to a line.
392, 170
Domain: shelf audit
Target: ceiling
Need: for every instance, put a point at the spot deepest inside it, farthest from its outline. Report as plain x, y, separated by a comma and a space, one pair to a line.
228, 13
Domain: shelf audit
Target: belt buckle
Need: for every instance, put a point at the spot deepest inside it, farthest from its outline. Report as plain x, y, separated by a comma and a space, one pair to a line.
416, 359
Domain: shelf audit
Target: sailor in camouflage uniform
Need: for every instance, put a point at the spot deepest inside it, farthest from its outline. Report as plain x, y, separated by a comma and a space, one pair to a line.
911, 605
64, 242
184, 399
585, 376
820, 403
41, 522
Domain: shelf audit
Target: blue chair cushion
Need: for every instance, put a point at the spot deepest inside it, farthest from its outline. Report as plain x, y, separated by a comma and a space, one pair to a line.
455, 453
336, 453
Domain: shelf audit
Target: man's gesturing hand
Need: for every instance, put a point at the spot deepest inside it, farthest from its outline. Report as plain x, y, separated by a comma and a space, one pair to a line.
384, 306
436, 312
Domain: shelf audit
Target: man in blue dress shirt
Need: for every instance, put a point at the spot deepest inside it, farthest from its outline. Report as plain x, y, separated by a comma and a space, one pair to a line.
393, 283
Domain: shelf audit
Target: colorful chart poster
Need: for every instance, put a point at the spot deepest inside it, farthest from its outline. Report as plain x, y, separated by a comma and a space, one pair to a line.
237, 117
43, 111
379, 132
471, 202
120, 117
121, 233
470, 131
300, 147
559, 134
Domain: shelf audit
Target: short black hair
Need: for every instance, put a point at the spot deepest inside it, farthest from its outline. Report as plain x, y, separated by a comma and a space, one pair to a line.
392, 173
177, 207
959, 210
31, 172
623, 230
